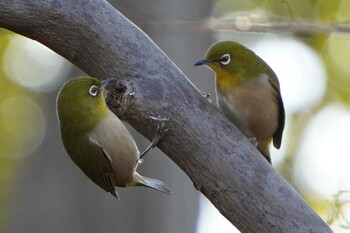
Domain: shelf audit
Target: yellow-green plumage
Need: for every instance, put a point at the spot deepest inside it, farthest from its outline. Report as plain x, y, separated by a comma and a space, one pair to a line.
248, 93
96, 140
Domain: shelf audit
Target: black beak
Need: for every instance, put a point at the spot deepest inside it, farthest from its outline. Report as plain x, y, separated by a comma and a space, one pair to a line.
202, 61
107, 81
104, 84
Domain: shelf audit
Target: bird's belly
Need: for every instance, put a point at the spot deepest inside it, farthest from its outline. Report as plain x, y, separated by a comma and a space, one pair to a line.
119, 147
253, 112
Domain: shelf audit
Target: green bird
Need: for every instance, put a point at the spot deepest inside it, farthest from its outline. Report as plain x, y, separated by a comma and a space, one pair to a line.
96, 139
248, 93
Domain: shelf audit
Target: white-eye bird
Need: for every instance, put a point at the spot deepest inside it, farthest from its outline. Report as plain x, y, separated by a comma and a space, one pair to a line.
96, 139
248, 93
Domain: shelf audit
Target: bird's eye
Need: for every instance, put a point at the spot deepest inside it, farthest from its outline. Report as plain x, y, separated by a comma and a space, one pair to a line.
93, 90
225, 59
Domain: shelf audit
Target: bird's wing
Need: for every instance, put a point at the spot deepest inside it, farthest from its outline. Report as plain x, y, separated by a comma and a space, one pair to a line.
108, 181
277, 137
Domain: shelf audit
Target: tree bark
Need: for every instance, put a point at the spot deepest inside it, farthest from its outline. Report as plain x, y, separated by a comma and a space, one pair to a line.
220, 161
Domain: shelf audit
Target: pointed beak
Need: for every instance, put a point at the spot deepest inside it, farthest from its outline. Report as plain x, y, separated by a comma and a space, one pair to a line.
105, 82
202, 61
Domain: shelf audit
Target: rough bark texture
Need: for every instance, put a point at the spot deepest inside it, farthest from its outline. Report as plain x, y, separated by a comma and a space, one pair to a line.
220, 161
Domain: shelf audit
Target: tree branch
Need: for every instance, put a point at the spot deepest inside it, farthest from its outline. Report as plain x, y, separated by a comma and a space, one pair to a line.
277, 25
246, 23
220, 161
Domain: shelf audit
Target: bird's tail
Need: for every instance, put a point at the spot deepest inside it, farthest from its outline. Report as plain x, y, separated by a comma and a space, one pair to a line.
151, 183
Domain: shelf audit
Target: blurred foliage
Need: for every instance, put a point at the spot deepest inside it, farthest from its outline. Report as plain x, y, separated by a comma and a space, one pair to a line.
337, 214
17, 128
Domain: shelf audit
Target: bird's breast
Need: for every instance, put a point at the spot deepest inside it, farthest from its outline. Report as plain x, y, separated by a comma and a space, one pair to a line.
252, 107
119, 147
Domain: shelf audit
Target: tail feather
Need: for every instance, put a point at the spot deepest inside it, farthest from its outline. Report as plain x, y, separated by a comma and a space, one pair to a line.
151, 183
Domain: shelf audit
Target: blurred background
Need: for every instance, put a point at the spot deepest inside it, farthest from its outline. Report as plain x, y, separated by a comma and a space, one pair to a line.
307, 44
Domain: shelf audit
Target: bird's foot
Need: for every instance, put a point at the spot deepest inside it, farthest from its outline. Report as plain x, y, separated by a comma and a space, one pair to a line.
254, 141
207, 96
159, 118
161, 131
140, 161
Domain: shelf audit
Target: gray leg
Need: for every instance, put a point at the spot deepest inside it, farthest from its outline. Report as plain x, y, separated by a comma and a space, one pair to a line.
161, 130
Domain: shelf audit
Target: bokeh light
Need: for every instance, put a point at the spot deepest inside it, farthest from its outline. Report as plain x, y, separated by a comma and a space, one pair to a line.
322, 162
21, 120
26, 67
33, 66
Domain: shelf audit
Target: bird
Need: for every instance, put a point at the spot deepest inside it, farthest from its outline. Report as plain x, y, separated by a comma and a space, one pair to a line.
96, 139
248, 93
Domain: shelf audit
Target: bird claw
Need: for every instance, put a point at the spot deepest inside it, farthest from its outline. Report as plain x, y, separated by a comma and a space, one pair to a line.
159, 118
254, 141
161, 131
207, 97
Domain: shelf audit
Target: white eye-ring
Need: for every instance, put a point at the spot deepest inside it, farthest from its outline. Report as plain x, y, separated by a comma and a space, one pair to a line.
225, 59
93, 90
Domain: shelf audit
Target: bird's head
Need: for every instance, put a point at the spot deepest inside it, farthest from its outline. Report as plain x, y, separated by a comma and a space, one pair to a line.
232, 62
81, 101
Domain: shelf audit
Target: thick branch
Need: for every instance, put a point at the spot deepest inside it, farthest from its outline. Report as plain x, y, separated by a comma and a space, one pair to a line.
221, 162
